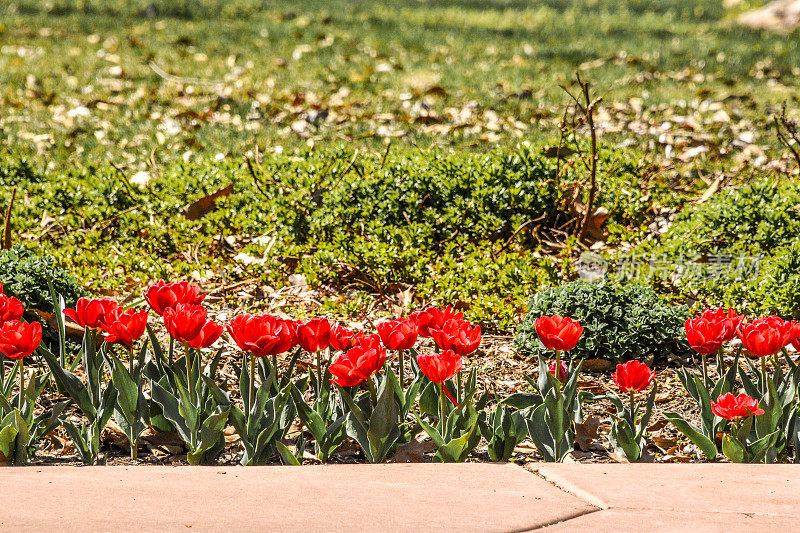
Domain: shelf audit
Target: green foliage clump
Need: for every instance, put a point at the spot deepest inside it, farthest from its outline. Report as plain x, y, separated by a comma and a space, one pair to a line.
740, 248
26, 276
620, 322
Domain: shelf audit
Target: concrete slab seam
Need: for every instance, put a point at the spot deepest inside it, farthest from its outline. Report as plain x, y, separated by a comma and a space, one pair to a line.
565, 485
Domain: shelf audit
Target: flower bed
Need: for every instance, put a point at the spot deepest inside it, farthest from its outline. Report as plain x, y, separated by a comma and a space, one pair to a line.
377, 390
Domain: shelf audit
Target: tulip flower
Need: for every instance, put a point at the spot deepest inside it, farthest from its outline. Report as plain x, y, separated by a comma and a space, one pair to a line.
342, 339
262, 335
162, 296
766, 336
439, 367
457, 335
726, 320
796, 336
735, 408
314, 335
633, 376
124, 327
705, 336
563, 371
209, 333
558, 333
433, 318
184, 321
19, 340
10, 307
90, 313
399, 335
359, 363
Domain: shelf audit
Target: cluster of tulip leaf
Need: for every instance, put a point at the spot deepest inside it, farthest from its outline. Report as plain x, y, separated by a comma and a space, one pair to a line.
20, 430
702, 392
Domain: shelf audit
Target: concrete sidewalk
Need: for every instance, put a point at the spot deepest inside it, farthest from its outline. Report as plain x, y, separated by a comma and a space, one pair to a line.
402, 497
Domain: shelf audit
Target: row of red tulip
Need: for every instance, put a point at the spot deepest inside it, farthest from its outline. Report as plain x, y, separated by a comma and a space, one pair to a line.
180, 305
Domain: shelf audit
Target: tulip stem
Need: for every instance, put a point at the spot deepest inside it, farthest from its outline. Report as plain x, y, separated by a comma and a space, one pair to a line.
633, 414
705, 370
401, 369
275, 371
130, 359
459, 388
720, 363
171, 349
21, 382
557, 371
319, 375
442, 410
252, 385
372, 392
764, 377
188, 354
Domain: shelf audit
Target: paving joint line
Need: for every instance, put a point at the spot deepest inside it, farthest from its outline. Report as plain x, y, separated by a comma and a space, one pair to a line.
555, 521
567, 486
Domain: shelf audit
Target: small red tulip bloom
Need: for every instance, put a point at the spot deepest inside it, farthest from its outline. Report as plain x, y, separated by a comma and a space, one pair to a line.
732, 407
314, 335
400, 334
162, 296
633, 376
766, 336
19, 339
558, 333
263, 334
90, 313
10, 307
209, 333
796, 336
358, 363
563, 371
433, 318
726, 320
705, 336
184, 321
124, 327
342, 339
457, 335
439, 367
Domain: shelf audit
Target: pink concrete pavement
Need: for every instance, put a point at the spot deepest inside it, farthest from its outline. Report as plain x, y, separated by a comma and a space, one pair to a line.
402, 497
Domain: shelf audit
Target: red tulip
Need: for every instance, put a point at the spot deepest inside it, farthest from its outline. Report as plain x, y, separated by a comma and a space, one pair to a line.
209, 333
124, 327
766, 336
90, 313
162, 296
400, 334
563, 371
314, 335
10, 307
796, 336
342, 339
558, 333
457, 335
727, 321
358, 363
732, 407
705, 336
633, 375
263, 334
19, 339
439, 367
433, 318
184, 321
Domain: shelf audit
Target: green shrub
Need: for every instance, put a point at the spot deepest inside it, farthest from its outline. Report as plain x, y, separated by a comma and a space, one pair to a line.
740, 249
620, 322
25, 276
